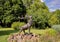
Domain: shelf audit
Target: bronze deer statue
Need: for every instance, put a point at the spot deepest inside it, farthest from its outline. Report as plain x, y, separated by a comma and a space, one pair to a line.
27, 26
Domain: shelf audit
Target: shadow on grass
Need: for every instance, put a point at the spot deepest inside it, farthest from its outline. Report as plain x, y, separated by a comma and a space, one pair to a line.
7, 32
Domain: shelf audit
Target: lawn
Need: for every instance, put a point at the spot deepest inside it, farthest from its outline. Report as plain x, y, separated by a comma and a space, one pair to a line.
5, 32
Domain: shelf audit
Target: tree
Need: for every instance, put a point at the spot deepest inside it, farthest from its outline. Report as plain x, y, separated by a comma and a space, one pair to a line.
54, 20
57, 12
11, 10
39, 11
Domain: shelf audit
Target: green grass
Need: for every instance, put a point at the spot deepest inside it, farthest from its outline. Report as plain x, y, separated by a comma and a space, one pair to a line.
44, 31
5, 32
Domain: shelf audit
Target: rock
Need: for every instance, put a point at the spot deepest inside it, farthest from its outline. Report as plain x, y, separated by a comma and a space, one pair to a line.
24, 38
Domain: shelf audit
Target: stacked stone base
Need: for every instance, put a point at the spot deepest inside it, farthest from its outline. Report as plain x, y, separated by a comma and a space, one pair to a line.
23, 38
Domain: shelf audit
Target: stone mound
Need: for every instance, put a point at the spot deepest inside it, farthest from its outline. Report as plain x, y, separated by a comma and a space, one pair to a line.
23, 38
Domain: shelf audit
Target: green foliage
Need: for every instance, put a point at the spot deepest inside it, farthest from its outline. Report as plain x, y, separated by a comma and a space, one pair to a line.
1, 10
0, 27
56, 27
53, 20
10, 10
51, 32
57, 12
41, 14
39, 11
17, 25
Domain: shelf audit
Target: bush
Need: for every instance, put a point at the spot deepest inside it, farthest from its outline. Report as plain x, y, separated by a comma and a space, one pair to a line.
0, 26
56, 27
16, 25
51, 32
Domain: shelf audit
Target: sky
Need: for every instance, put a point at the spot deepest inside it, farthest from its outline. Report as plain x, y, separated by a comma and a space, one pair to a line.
52, 4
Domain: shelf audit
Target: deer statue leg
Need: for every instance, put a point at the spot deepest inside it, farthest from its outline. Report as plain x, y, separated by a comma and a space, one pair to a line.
29, 30
20, 30
24, 31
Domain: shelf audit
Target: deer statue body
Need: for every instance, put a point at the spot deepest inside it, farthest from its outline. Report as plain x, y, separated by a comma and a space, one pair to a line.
27, 26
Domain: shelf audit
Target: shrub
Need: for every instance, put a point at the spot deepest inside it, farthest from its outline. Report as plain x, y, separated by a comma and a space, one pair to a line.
56, 27
16, 25
0, 26
51, 32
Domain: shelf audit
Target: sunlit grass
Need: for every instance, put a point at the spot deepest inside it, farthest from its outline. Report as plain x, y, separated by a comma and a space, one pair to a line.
5, 32
3, 38
43, 31
4, 29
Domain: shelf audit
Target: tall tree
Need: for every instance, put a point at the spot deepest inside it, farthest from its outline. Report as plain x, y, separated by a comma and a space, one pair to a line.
38, 10
11, 10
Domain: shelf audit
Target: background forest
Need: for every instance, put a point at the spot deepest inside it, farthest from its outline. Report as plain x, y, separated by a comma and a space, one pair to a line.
11, 10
